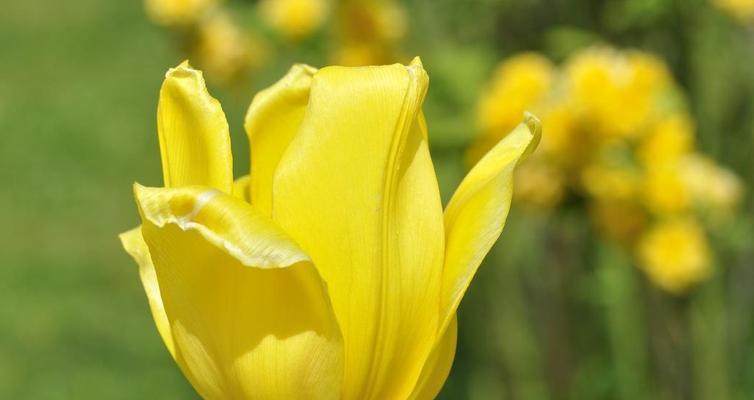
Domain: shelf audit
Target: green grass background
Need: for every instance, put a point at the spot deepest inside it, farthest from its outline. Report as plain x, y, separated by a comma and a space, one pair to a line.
78, 91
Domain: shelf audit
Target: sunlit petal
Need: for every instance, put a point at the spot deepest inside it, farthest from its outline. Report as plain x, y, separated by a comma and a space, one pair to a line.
476, 213
438, 364
249, 314
193, 132
357, 190
272, 121
133, 243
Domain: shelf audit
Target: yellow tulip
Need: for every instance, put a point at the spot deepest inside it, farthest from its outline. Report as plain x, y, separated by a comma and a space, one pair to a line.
331, 271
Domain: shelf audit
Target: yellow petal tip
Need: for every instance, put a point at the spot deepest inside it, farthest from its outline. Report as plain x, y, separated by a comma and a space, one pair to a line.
303, 69
183, 70
535, 128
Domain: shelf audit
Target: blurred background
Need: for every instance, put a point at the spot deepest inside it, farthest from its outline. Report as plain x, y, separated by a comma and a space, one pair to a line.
624, 271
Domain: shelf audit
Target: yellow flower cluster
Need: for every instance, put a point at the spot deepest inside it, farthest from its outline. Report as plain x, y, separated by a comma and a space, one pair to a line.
224, 50
209, 36
742, 10
618, 140
364, 32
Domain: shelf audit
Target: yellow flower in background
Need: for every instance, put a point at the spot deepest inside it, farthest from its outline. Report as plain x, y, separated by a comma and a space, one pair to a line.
742, 10
294, 19
177, 12
668, 141
331, 271
615, 93
517, 85
665, 192
368, 31
539, 184
224, 51
616, 139
675, 255
355, 54
713, 187
607, 182
563, 141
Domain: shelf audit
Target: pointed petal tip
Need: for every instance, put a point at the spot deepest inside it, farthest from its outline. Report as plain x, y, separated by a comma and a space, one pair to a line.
182, 70
139, 189
417, 61
303, 69
535, 129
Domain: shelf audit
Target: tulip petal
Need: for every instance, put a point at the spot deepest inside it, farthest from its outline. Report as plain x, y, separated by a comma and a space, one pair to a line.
437, 368
357, 190
476, 213
249, 314
133, 243
272, 121
193, 132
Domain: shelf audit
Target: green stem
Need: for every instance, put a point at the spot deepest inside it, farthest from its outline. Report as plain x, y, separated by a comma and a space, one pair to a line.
707, 322
516, 344
624, 317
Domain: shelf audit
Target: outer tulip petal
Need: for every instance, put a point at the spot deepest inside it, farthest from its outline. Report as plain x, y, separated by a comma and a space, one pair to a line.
249, 314
193, 132
133, 243
357, 190
438, 365
273, 119
476, 213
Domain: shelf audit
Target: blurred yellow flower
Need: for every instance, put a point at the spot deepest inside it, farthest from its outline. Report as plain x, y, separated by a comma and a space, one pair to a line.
177, 12
668, 141
224, 51
294, 19
562, 140
715, 188
331, 271
539, 184
368, 31
665, 192
355, 54
675, 255
615, 93
517, 85
610, 183
742, 10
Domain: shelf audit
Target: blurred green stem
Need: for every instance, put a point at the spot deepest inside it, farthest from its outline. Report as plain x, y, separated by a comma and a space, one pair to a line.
516, 343
625, 321
708, 321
